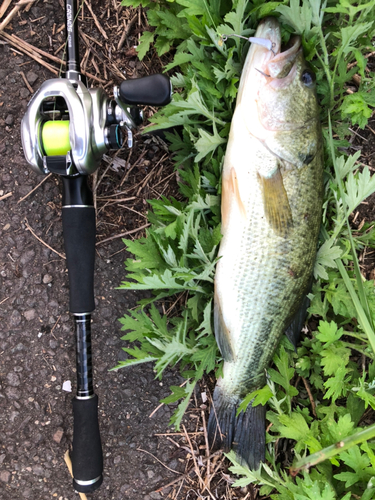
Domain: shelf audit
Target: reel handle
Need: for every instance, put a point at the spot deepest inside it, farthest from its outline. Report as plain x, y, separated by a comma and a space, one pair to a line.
153, 90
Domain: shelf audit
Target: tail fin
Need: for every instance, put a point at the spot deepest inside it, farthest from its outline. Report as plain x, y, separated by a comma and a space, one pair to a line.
245, 433
250, 436
221, 422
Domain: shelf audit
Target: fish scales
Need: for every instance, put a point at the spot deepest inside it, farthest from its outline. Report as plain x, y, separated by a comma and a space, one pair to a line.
272, 189
261, 275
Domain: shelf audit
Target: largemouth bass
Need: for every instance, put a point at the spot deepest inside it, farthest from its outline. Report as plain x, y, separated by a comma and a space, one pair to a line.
272, 188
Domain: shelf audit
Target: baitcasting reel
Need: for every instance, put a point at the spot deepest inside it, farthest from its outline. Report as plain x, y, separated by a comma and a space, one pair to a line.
68, 127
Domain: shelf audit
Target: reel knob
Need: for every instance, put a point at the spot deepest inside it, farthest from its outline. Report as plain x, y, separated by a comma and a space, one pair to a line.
114, 137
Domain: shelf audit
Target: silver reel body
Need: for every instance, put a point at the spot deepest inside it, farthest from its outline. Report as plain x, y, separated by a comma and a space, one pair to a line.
93, 126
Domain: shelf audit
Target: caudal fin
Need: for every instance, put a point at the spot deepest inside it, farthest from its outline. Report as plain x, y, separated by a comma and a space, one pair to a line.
245, 433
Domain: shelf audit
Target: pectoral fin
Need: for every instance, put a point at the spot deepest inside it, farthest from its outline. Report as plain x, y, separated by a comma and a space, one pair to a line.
230, 193
222, 334
276, 203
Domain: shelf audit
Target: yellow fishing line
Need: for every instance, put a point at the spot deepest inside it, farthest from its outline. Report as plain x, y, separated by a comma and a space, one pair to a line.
55, 138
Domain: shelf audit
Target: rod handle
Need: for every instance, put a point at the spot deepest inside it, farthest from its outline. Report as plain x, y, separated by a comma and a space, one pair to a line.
87, 455
79, 240
153, 90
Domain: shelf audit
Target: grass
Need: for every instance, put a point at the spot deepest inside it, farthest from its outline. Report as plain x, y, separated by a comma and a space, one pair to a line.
324, 393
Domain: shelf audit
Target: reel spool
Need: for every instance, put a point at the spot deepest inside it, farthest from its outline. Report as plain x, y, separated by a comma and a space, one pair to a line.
55, 137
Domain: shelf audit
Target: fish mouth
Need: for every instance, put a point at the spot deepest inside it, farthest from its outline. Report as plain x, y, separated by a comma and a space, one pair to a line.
279, 61
268, 69
275, 66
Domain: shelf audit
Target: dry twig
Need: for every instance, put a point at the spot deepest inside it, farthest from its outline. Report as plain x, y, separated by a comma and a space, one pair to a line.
307, 387
208, 479
4, 7
13, 13
194, 459
43, 242
127, 28
187, 474
160, 462
98, 25
36, 187
31, 90
5, 196
132, 231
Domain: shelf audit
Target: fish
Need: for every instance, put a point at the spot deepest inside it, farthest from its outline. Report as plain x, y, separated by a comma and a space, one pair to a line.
271, 208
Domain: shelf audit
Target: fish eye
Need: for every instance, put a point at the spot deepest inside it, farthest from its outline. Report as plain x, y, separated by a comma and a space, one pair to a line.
308, 78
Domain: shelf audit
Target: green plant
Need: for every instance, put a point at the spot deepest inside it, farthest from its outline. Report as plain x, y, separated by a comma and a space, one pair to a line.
178, 256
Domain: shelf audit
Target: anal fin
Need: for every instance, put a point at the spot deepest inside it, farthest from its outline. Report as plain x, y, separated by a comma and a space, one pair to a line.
222, 334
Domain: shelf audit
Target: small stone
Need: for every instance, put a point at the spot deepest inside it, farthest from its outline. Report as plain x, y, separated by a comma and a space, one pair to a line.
31, 77
155, 495
47, 278
38, 279
5, 476
57, 437
150, 474
38, 470
67, 386
30, 314
173, 464
27, 256
12, 393
24, 93
9, 120
15, 318
13, 379
13, 416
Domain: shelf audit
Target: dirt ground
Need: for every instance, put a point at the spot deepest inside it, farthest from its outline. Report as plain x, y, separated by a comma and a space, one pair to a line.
37, 350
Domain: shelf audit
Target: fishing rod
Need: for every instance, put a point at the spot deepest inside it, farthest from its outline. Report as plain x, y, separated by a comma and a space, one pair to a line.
65, 130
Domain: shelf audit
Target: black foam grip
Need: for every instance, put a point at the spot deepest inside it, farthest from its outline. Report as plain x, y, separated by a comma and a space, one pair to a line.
79, 240
153, 90
87, 456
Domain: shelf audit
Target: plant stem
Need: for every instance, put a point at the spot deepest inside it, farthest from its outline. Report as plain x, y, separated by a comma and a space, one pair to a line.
362, 318
334, 449
325, 65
